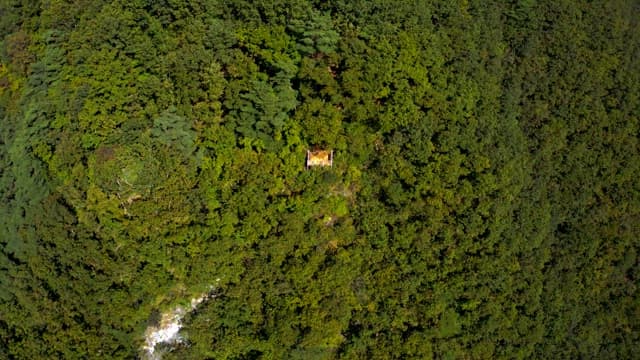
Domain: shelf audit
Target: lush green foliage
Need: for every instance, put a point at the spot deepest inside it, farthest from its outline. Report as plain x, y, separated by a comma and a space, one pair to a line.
483, 203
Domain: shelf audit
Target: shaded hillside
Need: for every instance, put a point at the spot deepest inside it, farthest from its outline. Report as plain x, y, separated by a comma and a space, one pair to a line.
483, 200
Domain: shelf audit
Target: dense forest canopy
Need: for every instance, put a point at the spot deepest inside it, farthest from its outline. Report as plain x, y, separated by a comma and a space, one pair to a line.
483, 200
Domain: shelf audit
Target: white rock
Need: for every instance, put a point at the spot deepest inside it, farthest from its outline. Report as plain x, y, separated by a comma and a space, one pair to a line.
168, 331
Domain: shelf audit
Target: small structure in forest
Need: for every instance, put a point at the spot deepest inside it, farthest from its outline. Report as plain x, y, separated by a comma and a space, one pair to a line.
319, 158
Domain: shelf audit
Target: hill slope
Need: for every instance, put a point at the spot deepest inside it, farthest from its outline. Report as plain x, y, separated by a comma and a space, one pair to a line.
482, 202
